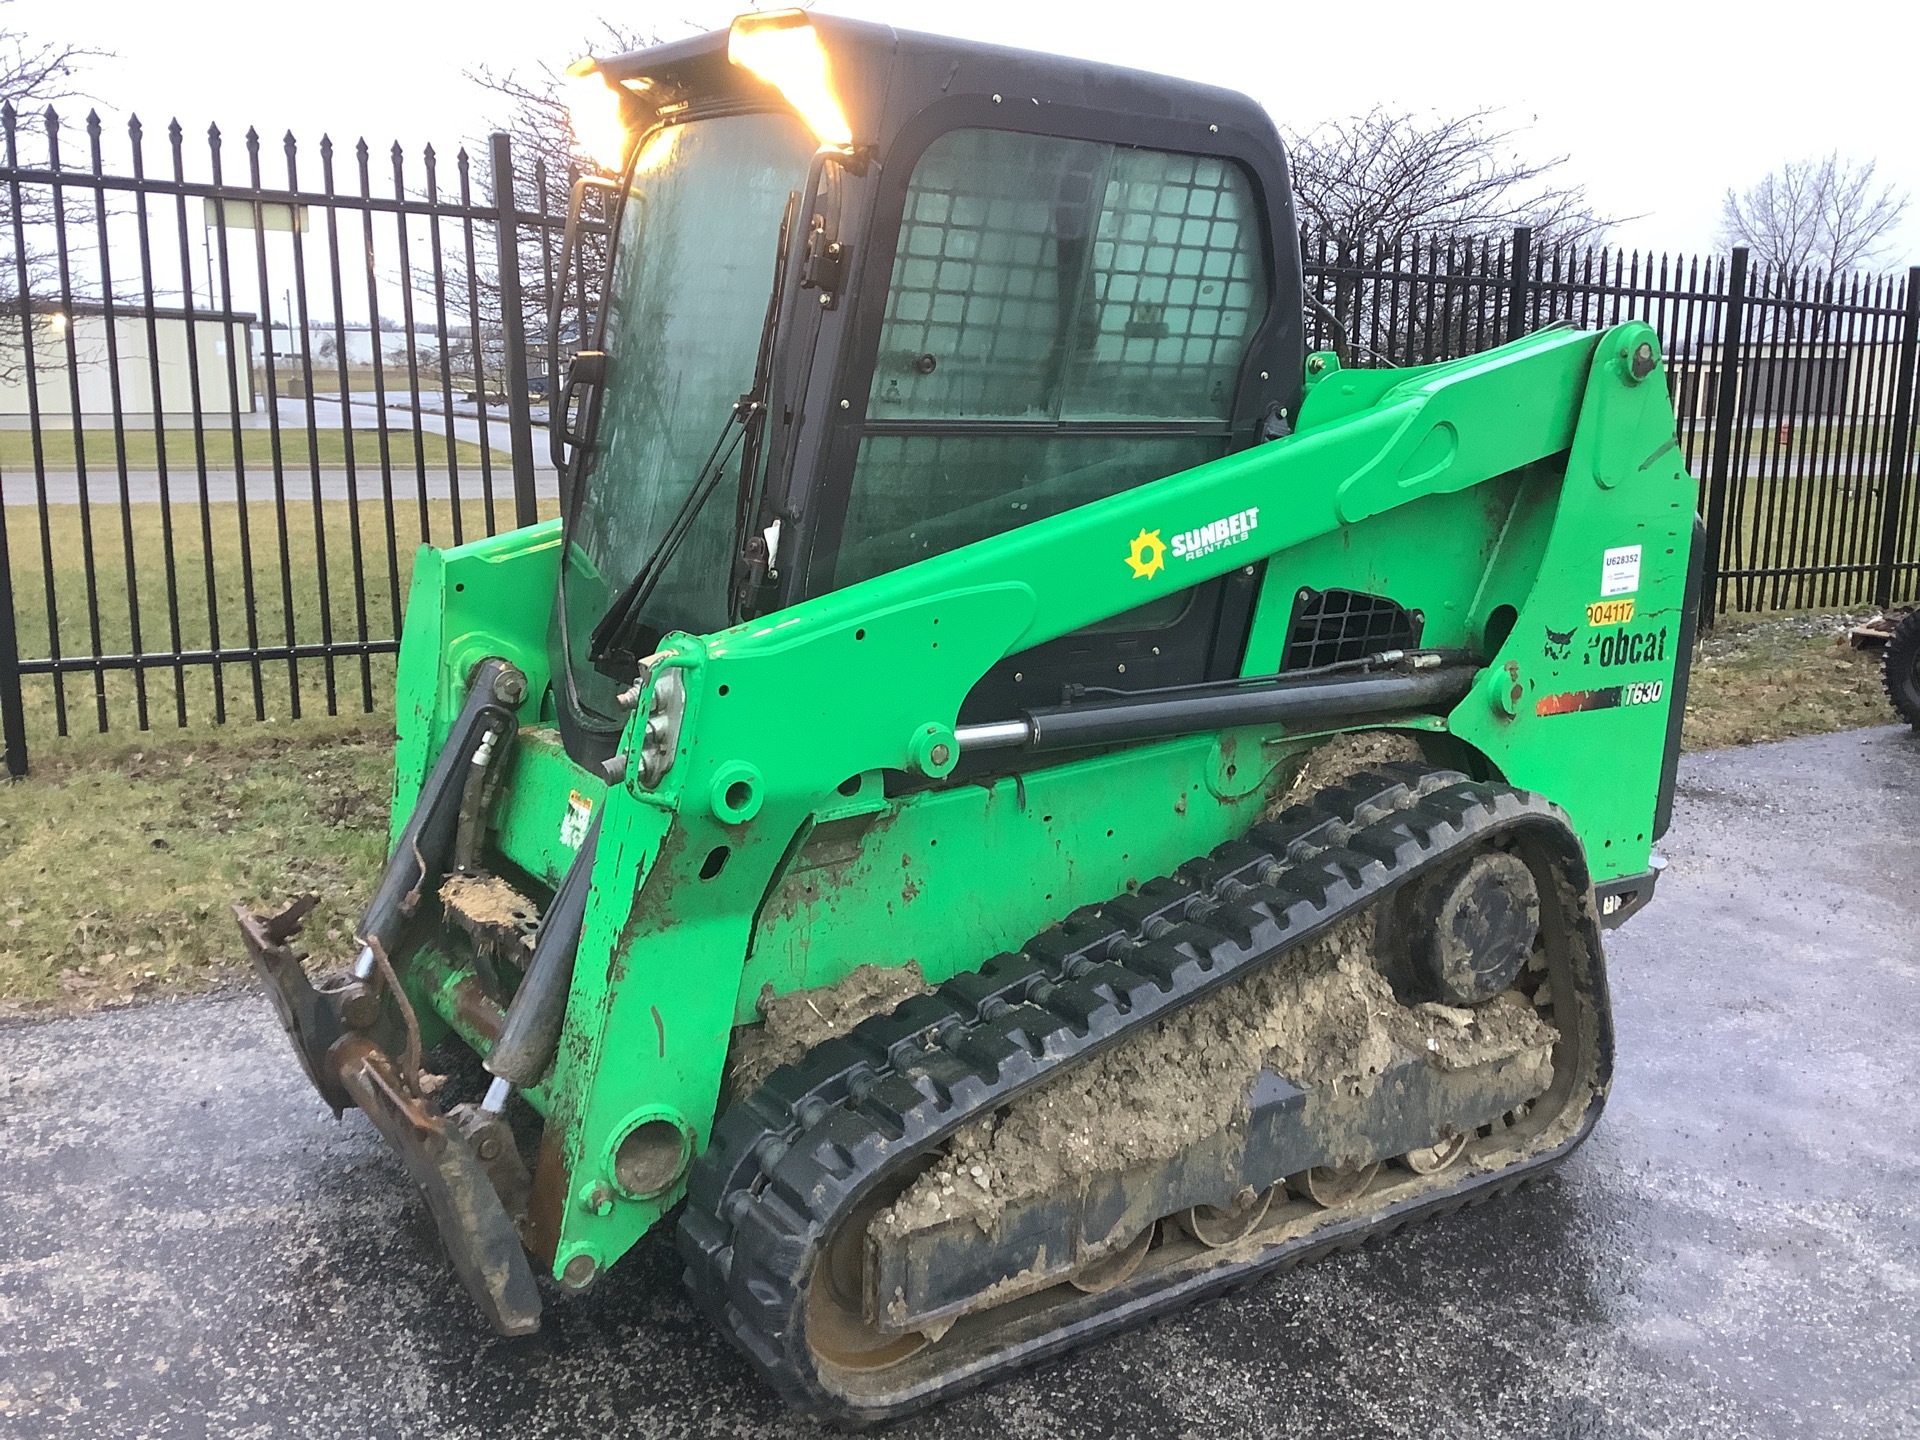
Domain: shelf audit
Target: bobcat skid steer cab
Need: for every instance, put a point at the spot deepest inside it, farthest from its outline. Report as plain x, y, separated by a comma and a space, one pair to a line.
1013, 796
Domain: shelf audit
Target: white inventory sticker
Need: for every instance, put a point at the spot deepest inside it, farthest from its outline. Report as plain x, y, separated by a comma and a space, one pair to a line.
1620, 570
573, 824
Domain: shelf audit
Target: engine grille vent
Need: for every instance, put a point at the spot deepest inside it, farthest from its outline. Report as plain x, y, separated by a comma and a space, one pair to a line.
1330, 626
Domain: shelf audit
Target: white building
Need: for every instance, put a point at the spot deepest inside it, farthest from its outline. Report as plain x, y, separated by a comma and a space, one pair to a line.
73, 349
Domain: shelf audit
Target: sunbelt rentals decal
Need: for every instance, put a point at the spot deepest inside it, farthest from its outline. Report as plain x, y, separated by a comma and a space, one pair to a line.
1148, 554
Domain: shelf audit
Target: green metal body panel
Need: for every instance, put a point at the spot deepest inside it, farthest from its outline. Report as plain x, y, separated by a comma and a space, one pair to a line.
879, 886
1499, 494
487, 598
546, 784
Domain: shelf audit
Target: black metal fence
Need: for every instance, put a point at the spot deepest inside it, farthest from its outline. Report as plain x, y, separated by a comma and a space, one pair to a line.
1793, 392
236, 394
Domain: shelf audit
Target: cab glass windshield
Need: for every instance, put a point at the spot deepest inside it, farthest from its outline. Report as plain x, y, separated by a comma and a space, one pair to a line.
692, 273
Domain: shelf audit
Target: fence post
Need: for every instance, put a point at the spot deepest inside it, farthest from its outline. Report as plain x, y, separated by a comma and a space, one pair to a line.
13, 718
1726, 401
1898, 452
1519, 281
513, 327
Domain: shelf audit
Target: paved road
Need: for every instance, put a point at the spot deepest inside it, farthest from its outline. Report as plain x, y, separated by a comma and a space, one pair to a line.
18, 486
183, 485
189, 1246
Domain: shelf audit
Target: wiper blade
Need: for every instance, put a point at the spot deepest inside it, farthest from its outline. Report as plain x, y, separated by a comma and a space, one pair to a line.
612, 636
762, 382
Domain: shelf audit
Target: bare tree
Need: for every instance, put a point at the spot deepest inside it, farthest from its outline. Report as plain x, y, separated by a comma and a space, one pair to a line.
34, 76
36, 73
1821, 214
1444, 191
533, 108
1389, 176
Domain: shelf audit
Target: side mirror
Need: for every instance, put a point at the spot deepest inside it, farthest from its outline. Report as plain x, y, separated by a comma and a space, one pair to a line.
587, 372
589, 368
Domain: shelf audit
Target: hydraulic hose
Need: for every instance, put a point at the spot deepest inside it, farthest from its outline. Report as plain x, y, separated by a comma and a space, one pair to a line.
424, 850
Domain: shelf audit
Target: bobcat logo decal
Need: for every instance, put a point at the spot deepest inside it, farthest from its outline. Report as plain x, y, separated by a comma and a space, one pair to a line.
1559, 644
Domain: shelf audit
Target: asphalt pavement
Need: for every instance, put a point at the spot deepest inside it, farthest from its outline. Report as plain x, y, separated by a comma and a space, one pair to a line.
190, 1246
301, 485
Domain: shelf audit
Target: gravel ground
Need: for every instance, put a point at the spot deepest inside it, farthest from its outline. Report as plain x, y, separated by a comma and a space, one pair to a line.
190, 1246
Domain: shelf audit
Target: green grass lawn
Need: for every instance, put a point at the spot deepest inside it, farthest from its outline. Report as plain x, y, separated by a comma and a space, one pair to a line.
1772, 677
1806, 435
297, 448
119, 869
213, 584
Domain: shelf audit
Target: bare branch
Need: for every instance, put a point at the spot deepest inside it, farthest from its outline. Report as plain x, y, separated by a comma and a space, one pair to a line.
531, 106
533, 102
1824, 213
34, 76
36, 73
1391, 175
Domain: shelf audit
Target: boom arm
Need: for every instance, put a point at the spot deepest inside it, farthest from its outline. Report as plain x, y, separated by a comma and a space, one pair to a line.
1445, 428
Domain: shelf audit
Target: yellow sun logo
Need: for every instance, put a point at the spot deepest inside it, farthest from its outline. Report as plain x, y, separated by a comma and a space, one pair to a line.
1149, 554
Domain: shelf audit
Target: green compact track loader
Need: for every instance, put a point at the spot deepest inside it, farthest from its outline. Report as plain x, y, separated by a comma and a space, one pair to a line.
1013, 797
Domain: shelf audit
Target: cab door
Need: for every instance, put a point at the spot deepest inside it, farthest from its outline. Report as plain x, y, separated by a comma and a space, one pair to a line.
1064, 318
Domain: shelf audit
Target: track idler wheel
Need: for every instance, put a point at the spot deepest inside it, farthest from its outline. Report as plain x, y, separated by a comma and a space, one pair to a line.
1331, 1186
1115, 1269
1469, 931
1217, 1225
838, 1329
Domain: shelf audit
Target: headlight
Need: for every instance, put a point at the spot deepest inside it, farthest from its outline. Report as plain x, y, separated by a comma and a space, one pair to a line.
783, 49
660, 740
594, 113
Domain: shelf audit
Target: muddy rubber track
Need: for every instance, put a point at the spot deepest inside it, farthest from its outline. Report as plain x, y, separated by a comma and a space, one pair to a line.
791, 1161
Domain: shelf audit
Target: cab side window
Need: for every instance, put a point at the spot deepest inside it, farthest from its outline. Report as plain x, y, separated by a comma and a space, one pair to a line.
1065, 319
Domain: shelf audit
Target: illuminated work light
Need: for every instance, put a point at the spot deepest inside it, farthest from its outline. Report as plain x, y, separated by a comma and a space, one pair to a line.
595, 115
783, 49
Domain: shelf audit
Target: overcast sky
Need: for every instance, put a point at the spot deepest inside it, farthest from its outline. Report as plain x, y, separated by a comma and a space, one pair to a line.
1658, 107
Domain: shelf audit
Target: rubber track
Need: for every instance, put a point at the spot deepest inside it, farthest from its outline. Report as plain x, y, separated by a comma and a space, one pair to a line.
788, 1161
1900, 668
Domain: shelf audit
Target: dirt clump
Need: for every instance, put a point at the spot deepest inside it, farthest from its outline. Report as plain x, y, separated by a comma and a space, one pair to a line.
1325, 1018
496, 917
795, 1022
487, 900
1341, 758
